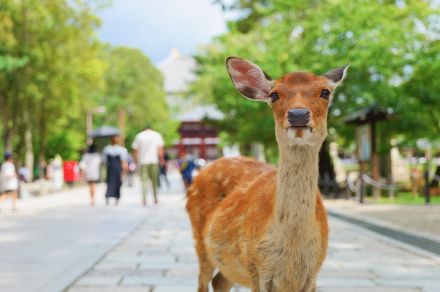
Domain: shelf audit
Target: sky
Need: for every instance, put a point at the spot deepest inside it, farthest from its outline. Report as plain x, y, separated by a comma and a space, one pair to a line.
157, 26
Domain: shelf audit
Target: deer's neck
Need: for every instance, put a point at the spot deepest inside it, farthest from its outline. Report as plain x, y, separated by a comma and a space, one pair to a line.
297, 188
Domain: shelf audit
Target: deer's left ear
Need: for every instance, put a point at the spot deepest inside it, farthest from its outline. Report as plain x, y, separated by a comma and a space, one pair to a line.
336, 76
249, 79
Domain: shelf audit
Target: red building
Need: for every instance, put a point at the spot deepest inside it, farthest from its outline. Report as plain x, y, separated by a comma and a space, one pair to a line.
199, 139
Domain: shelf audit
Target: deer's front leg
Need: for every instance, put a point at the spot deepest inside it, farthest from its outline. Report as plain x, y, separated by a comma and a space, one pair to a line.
310, 285
266, 282
252, 268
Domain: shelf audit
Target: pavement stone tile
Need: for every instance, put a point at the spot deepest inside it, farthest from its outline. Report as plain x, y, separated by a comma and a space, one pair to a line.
150, 259
90, 280
347, 282
410, 282
352, 273
158, 281
109, 265
110, 289
368, 289
190, 272
122, 272
164, 266
154, 250
173, 289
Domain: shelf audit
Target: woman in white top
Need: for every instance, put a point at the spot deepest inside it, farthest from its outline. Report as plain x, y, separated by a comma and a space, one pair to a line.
8, 180
90, 167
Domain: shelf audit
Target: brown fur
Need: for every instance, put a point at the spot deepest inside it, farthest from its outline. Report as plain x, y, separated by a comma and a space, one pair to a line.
261, 227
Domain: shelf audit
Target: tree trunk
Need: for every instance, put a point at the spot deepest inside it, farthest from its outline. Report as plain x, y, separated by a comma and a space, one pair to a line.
29, 153
327, 175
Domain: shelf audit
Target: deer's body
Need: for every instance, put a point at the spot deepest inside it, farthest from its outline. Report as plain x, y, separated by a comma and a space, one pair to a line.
261, 227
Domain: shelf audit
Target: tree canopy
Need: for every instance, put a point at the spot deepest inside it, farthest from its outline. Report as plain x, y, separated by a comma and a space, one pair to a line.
135, 85
392, 48
54, 69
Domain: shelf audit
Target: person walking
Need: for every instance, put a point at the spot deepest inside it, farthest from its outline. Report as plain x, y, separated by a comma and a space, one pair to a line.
8, 180
148, 153
115, 157
90, 168
186, 165
57, 174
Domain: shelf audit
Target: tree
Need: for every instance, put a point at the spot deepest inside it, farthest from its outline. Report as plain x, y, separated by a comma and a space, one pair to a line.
135, 86
58, 72
389, 45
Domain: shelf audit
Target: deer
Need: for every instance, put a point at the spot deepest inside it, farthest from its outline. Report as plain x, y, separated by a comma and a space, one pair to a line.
260, 227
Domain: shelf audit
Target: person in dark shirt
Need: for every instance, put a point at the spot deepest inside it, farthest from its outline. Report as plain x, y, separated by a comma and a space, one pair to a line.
187, 165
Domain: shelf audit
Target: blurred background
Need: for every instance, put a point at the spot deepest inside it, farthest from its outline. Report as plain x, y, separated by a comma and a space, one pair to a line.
68, 67
70, 71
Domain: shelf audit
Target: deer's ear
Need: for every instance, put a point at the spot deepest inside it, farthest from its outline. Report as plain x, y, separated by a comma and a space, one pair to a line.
336, 76
249, 79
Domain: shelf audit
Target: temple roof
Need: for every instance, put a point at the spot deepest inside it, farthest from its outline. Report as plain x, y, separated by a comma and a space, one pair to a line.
369, 114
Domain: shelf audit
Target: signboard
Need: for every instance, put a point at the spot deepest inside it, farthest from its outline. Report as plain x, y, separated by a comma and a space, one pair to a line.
363, 141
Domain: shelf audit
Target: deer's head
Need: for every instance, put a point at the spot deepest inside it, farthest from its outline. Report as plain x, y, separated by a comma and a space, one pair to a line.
299, 100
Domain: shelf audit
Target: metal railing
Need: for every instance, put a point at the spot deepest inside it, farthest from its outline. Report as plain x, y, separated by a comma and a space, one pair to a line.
355, 185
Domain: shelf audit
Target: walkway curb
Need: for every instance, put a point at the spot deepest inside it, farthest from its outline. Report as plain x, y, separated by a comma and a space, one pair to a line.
427, 246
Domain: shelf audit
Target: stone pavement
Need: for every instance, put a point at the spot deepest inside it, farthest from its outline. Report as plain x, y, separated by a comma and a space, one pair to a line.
159, 256
418, 219
52, 240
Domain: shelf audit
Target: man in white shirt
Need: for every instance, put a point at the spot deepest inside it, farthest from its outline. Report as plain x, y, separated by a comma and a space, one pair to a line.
148, 152
8, 180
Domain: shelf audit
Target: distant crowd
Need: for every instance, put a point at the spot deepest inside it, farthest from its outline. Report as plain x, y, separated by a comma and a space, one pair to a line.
149, 160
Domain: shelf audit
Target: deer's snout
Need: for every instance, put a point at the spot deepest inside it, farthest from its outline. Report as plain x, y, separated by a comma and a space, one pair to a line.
298, 117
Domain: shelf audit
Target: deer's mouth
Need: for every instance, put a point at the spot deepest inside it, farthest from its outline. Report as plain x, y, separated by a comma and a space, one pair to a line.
299, 132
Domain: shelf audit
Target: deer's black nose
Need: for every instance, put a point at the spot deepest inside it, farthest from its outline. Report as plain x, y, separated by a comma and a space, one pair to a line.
298, 117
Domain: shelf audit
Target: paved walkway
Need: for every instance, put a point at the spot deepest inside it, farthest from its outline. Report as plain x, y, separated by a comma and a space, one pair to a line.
419, 219
159, 256
54, 239
58, 242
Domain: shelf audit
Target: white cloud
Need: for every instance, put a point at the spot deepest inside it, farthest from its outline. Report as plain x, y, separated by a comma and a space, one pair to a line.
157, 26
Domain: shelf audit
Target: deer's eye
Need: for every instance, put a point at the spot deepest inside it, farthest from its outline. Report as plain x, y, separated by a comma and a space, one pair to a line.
274, 96
325, 93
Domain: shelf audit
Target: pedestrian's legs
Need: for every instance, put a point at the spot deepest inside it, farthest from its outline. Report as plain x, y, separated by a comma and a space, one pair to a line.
163, 173
153, 173
166, 179
186, 183
92, 186
144, 182
14, 200
12, 195
3, 196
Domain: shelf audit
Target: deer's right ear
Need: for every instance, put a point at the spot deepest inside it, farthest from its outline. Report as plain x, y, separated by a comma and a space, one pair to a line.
249, 79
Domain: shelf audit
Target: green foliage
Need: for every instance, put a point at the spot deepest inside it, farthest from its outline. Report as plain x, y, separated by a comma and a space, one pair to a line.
53, 70
135, 85
392, 47
66, 144
49, 68
407, 198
